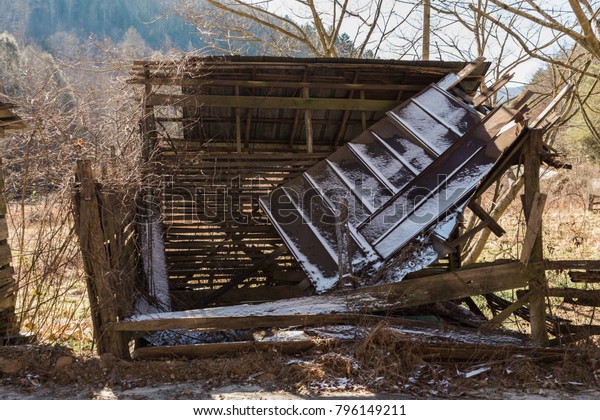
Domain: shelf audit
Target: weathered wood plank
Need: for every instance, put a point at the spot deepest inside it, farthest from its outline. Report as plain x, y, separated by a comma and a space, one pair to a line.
162, 80
2, 200
5, 274
340, 307
5, 254
534, 224
485, 217
219, 349
3, 229
449, 83
487, 93
572, 265
591, 276
7, 302
270, 102
188, 299
537, 284
102, 280
576, 296
497, 320
542, 116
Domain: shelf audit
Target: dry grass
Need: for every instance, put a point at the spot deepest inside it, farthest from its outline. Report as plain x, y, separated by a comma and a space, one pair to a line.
52, 300
383, 362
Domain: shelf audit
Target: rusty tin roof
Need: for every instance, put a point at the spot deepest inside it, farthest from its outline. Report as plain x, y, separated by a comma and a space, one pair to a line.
393, 196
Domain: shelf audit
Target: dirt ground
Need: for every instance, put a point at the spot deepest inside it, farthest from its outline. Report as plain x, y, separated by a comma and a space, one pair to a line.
351, 371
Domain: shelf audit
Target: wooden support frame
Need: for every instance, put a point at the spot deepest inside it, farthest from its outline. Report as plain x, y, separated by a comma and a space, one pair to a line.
304, 103
499, 318
489, 221
350, 306
537, 284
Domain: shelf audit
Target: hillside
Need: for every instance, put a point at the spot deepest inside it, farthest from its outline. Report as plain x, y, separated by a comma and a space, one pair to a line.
38, 20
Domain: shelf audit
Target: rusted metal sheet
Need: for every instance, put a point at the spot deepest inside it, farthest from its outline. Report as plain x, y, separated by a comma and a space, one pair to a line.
391, 197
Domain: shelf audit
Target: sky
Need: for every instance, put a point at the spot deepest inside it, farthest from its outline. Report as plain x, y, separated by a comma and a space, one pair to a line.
413, 26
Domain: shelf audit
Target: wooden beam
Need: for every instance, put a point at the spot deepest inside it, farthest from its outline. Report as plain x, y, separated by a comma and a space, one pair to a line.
487, 93
572, 265
349, 306
7, 303
239, 278
534, 224
2, 195
342, 127
582, 296
219, 349
537, 284
162, 81
270, 102
468, 234
497, 320
426, 29
363, 115
485, 217
188, 299
238, 123
6, 273
591, 276
308, 123
542, 116
8, 325
453, 80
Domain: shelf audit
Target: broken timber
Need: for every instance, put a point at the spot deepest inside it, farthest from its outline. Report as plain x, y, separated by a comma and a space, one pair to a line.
340, 307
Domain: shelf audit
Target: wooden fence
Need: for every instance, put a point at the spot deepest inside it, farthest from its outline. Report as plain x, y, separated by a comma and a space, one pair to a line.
7, 283
110, 257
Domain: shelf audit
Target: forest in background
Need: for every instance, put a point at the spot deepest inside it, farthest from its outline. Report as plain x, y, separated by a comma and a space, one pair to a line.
48, 22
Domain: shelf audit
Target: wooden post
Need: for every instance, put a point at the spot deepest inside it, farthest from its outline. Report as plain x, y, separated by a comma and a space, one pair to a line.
7, 282
238, 123
104, 280
308, 124
426, 28
537, 282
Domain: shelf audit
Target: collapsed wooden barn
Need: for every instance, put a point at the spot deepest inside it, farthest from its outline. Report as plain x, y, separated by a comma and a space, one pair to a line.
219, 133
222, 132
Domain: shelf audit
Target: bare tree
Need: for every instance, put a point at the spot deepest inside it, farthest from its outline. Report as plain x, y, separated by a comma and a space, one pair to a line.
70, 118
574, 24
308, 26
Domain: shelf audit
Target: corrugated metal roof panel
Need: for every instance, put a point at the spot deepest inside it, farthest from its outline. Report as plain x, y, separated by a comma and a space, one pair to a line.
393, 195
